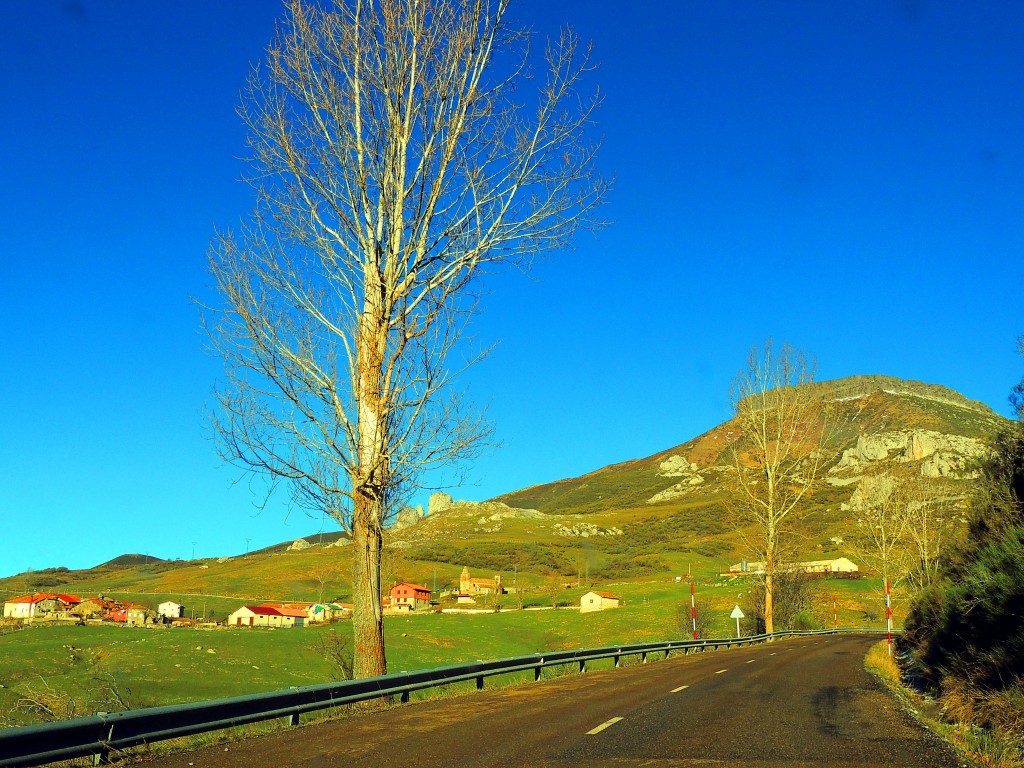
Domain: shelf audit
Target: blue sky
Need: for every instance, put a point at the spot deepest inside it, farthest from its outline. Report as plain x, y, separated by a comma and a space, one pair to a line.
848, 178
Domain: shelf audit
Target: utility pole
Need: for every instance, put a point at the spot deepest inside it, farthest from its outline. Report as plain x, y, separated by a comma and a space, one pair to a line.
193, 551
247, 546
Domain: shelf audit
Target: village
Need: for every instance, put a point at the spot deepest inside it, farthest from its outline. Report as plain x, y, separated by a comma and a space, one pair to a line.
402, 598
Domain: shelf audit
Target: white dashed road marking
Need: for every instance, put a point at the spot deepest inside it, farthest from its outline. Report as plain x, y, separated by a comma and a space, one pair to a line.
680, 688
751, 661
602, 726
720, 671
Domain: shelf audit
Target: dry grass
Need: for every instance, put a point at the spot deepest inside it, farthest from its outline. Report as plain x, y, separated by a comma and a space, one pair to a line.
984, 727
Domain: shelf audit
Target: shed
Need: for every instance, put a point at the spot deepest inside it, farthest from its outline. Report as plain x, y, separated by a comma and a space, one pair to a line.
599, 601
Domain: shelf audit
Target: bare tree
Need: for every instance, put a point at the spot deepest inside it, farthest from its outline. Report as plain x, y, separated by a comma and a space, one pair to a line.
882, 526
929, 528
785, 427
396, 159
323, 573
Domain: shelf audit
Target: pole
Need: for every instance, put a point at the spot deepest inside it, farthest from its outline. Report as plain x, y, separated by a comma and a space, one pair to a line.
737, 627
888, 616
835, 612
693, 611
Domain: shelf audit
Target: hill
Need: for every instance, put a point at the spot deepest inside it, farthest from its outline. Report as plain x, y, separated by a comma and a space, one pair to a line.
135, 559
663, 514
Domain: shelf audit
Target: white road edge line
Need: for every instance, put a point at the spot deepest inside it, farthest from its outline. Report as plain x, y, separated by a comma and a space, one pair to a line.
602, 726
721, 671
680, 688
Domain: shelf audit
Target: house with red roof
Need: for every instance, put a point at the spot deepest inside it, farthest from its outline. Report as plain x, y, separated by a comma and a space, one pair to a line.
267, 616
407, 597
39, 605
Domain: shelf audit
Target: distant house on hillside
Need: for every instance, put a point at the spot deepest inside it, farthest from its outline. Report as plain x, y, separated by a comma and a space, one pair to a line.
39, 605
170, 610
266, 616
838, 565
599, 601
406, 597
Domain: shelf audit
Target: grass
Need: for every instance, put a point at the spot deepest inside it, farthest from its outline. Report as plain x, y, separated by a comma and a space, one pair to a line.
980, 746
155, 666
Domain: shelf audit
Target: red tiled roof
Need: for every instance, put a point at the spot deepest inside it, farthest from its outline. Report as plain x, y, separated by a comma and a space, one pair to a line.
294, 612
414, 586
606, 595
264, 610
40, 596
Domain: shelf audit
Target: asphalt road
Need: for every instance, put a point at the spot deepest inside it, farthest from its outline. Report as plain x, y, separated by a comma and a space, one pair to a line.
796, 703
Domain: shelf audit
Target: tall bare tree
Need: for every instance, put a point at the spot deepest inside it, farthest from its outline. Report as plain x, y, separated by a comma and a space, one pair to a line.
396, 158
785, 428
881, 535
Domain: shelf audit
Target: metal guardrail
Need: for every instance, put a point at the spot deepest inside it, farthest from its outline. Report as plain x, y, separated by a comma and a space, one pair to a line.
104, 733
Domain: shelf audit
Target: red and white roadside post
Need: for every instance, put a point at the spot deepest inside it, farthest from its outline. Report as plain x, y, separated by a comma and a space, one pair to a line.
888, 615
835, 612
693, 611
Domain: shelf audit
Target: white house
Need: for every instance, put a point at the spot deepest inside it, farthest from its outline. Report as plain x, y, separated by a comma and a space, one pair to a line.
599, 601
39, 604
171, 610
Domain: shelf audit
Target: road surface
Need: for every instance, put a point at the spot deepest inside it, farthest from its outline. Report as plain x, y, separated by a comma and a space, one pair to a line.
797, 703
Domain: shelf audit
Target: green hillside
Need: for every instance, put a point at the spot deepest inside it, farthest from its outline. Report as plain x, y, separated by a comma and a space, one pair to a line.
607, 525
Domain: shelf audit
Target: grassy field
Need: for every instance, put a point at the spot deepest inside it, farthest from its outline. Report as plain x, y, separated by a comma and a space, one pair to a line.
154, 666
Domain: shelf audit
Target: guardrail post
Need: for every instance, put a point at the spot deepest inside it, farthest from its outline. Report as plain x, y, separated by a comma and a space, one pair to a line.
103, 756
643, 657
536, 673
616, 657
293, 719
405, 697
583, 665
480, 683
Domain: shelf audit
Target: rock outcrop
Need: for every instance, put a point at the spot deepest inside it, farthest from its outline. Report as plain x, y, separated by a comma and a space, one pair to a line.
408, 516
438, 502
585, 530
299, 544
677, 466
942, 455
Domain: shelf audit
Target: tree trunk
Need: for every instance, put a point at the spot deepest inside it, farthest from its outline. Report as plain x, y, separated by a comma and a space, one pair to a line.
369, 481
769, 599
367, 620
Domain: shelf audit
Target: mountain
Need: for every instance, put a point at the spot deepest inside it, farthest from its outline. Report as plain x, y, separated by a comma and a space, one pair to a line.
674, 506
873, 410
661, 514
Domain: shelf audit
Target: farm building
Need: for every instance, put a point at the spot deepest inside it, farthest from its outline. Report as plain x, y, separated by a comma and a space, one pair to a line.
837, 565
129, 613
39, 604
322, 612
407, 597
266, 616
170, 610
599, 601
94, 607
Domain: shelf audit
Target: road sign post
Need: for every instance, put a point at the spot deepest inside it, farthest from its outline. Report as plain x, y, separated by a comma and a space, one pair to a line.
737, 614
888, 616
693, 611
